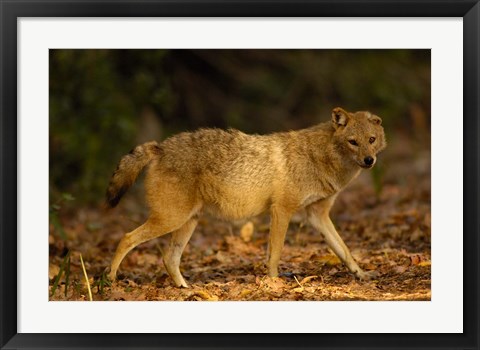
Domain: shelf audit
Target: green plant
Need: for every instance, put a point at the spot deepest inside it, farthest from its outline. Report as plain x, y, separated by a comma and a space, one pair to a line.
64, 266
102, 282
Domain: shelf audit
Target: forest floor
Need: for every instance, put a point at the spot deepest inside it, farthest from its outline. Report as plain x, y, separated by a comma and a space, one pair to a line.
387, 229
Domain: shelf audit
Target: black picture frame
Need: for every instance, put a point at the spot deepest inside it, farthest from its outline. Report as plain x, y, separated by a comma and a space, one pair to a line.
12, 10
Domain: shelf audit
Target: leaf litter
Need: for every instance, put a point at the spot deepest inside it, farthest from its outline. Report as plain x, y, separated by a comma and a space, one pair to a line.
389, 232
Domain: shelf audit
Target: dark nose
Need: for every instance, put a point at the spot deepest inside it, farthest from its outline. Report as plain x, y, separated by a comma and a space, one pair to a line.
368, 160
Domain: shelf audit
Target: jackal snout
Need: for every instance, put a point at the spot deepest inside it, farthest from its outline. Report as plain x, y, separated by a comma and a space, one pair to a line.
369, 161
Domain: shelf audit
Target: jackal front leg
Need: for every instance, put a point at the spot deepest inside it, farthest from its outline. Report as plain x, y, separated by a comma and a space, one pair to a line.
318, 215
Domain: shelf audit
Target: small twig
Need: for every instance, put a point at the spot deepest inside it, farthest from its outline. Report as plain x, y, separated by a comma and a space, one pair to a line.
86, 278
297, 281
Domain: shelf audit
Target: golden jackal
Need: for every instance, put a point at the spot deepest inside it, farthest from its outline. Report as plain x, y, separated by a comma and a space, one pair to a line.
233, 175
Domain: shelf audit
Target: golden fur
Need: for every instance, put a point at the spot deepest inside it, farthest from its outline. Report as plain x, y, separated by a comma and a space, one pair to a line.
233, 175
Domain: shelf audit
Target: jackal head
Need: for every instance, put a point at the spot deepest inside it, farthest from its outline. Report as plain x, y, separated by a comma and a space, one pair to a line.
358, 135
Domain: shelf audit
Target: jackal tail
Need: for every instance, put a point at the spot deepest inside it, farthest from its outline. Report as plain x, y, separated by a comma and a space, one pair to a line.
128, 170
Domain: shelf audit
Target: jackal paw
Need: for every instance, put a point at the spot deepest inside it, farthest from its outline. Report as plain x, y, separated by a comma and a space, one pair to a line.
366, 275
182, 285
108, 273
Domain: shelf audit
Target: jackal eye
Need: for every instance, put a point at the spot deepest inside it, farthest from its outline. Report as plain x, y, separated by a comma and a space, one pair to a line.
353, 142
372, 139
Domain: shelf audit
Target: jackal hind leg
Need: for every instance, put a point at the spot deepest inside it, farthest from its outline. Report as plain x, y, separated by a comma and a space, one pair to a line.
173, 254
154, 227
279, 219
318, 215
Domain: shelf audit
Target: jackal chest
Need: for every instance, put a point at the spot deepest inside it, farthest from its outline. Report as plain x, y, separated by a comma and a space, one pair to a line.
312, 198
316, 190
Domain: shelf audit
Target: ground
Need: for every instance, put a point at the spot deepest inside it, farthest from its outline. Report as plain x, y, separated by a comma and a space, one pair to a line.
386, 227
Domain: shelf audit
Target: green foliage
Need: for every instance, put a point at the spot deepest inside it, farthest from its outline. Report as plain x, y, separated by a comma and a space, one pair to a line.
95, 98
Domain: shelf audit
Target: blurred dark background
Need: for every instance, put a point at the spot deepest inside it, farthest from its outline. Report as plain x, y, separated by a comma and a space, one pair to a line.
104, 102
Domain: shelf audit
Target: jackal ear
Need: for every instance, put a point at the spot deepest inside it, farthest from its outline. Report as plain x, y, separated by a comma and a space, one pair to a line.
375, 119
339, 117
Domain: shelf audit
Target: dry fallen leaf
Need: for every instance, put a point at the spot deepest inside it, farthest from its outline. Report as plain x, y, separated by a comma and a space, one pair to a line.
308, 279
369, 266
330, 260
246, 232
245, 292
400, 269
415, 259
274, 283
53, 271
205, 295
